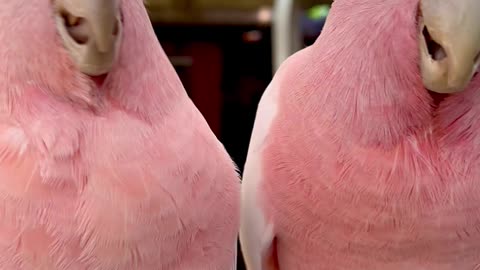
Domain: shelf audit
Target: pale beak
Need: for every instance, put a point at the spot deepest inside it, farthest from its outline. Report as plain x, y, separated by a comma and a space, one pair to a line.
449, 43
91, 31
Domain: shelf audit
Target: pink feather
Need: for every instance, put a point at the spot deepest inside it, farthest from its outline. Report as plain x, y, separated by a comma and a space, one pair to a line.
125, 176
360, 169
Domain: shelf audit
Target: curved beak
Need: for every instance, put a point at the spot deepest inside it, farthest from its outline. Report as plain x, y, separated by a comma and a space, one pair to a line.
449, 43
103, 18
90, 30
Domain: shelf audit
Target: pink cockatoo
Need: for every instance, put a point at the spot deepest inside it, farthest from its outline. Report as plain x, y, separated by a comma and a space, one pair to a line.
353, 164
105, 163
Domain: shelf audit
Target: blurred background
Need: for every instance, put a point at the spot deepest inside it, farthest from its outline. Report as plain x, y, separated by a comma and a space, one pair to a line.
226, 52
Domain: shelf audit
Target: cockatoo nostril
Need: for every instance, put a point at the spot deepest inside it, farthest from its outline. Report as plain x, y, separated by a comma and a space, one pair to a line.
76, 27
436, 51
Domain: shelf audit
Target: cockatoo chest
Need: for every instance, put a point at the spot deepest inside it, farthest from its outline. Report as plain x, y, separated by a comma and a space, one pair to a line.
331, 200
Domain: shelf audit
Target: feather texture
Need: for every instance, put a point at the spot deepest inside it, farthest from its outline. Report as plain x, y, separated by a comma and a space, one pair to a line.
360, 169
123, 176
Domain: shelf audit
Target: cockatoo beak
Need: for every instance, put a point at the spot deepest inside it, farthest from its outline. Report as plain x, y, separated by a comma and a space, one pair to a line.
91, 31
449, 43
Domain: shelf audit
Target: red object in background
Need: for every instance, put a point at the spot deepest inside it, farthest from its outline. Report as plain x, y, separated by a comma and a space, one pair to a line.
204, 78
199, 66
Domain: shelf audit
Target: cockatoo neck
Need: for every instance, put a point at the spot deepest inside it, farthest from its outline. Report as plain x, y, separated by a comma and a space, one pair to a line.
142, 81
366, 74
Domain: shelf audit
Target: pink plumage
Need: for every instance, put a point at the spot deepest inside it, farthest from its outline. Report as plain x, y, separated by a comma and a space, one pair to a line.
123, 176
352, 165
